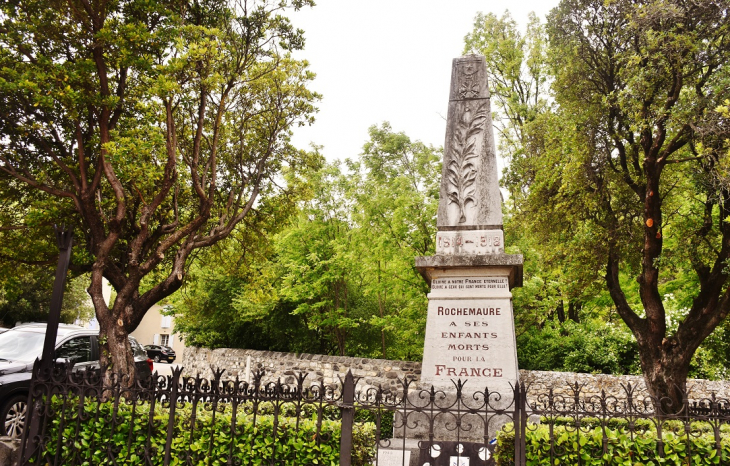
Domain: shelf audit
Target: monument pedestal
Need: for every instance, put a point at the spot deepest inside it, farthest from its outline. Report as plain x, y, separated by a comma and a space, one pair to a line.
470, 338
470, 331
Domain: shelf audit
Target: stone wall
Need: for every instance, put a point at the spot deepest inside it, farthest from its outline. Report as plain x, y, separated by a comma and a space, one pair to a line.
616, 385
242, 363
9, 451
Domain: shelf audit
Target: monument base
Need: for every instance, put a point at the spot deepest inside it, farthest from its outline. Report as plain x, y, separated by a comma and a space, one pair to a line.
470, 333
470, 356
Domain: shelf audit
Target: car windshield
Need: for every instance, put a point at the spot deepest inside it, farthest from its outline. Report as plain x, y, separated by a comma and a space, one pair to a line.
16, 345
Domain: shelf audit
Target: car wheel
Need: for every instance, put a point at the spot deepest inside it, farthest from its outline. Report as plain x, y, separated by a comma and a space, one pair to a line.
13, 416
157, 358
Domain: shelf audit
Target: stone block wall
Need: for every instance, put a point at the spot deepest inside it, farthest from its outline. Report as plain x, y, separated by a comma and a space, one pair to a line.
9, 451
242, 363
616, 385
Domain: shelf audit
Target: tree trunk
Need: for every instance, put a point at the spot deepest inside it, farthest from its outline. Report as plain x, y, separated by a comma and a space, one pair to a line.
115, 324
382, 330
115, 352
561, 312
573, 311
665, 372
380, 307
340, 335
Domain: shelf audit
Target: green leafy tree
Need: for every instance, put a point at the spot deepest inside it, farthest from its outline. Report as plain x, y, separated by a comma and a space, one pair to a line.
519, 81
347, 263
319, 274
638, 84
337, 276
228, 303
229, 296
294, 288
155, 127
395, 186
288, 288
518, 75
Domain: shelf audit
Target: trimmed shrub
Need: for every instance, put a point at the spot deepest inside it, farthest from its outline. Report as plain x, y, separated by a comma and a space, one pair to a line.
586, 446
102, 436
386, 420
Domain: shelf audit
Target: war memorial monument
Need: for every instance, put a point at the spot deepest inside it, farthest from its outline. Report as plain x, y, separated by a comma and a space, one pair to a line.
470, 333
470, 326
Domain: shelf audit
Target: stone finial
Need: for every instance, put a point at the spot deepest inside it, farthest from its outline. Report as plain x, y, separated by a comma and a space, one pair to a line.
470, 197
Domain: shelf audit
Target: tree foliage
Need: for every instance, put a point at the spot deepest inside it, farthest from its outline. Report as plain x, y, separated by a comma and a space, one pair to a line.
518, 74
156, 128
25, 296
342, 269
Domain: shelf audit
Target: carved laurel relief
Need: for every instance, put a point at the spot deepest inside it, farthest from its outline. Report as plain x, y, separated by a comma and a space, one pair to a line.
462, 168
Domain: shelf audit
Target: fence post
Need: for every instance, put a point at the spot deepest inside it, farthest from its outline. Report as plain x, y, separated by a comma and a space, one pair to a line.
520, 424
32, 418
348, 415
516, 421
36, 417
174, 384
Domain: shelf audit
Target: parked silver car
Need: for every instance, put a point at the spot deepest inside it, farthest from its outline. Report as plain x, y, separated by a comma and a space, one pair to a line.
22, 345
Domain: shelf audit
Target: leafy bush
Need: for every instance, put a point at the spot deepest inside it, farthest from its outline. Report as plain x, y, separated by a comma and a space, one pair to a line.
638, 425
622, 448
386, 420
104, 437
586, 347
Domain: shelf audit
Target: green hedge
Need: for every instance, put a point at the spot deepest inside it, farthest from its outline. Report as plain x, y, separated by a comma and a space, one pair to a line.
386, 420
210, 436
637, 424
622, 449
362, 415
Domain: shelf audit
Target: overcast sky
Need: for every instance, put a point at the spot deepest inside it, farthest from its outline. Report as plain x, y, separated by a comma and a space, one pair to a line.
387, 60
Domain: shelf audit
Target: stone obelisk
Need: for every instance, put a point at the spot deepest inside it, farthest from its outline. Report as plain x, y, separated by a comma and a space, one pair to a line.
470, 326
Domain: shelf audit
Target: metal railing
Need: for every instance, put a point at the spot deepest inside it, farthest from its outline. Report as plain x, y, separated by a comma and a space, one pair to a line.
182, 420
630, 424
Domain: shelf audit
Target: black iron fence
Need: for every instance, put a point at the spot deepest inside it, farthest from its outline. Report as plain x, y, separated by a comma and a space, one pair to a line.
177, 420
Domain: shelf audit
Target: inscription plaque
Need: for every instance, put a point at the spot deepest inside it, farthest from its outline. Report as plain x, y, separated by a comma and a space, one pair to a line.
470, 333
458, 461
470, 283
470, 242
394, 457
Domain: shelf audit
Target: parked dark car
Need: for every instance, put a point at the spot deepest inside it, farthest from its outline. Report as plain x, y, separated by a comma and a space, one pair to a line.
160, 353
19, 348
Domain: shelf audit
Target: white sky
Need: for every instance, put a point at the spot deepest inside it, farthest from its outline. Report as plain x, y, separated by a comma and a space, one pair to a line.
387, 60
